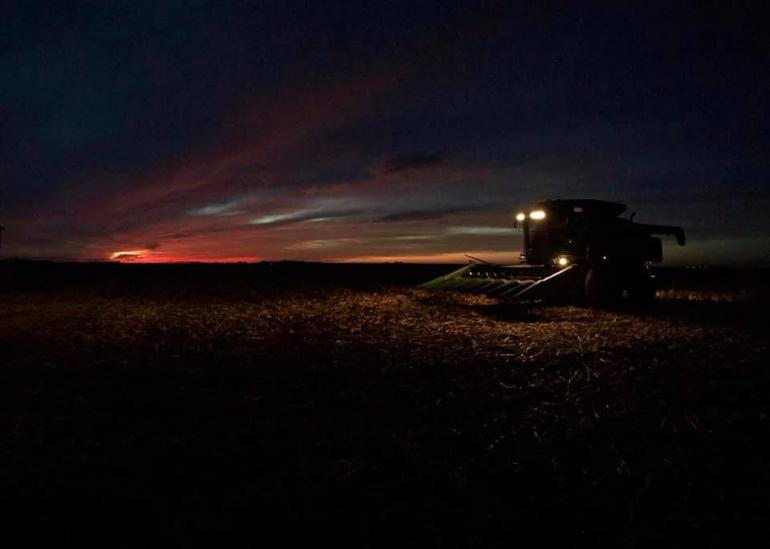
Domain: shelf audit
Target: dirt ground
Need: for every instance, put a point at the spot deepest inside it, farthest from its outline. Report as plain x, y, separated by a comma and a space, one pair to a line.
196, 405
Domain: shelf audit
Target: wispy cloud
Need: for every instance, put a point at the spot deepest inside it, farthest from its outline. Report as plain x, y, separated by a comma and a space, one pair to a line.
218, 208
481, 231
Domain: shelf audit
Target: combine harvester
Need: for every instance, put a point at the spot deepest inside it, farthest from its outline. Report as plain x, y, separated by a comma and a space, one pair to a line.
574, 250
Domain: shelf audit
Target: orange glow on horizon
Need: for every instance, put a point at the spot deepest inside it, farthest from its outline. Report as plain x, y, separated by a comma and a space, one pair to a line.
195, 259
150, 256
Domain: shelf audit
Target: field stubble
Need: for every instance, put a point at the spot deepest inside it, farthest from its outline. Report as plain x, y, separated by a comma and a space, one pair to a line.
197, 412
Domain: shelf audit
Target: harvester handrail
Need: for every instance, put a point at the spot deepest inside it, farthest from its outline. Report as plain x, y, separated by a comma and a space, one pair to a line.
542, 280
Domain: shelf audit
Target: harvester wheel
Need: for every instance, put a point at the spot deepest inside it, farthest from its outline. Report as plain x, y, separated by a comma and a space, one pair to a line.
601, 288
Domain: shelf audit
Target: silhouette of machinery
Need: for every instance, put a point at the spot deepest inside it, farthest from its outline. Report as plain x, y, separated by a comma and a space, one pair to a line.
576, 249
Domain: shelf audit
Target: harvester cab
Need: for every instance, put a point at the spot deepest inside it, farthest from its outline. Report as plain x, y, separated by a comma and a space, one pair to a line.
579, 250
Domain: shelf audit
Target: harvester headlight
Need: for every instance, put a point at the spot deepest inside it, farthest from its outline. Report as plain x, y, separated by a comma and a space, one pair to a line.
537, 215
521, 216
562, 260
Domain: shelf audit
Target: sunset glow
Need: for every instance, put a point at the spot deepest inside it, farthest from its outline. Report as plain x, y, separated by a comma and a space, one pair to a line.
390, 140
149, 256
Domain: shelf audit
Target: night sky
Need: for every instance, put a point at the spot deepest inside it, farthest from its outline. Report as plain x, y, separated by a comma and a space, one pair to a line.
375, 131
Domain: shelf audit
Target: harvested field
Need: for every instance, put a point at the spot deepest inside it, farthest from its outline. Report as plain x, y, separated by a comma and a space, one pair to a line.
193, 405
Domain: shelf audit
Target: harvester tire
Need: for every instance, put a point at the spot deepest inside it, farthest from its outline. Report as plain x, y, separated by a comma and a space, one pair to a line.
641, 289
601, 288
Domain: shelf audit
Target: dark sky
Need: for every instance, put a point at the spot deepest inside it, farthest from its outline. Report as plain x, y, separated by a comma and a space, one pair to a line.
375, 130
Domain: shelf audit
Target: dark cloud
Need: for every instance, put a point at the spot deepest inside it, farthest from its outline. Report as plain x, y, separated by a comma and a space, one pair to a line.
411, 161
180, 234
425, 214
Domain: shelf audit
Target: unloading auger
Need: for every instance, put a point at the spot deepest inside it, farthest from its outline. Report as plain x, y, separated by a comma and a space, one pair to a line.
577, 249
